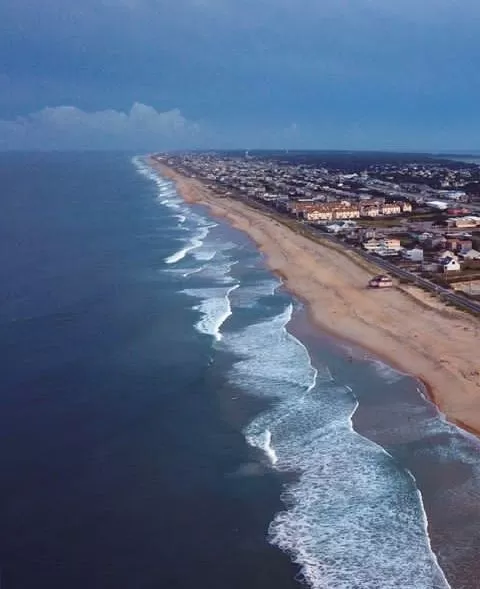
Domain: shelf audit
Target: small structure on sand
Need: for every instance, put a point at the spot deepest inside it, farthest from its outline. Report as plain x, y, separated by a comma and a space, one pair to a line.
380, 281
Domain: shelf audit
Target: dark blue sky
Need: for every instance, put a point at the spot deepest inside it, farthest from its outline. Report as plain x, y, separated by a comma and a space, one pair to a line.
372, 74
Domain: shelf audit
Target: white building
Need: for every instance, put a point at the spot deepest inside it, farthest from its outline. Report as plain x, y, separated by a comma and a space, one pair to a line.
413, 255
450, 265
392, 243
471, 255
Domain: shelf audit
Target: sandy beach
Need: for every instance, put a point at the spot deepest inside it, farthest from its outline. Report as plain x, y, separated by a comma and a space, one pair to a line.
409, 329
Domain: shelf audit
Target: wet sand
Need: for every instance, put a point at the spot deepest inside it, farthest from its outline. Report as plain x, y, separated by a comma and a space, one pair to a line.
436, 344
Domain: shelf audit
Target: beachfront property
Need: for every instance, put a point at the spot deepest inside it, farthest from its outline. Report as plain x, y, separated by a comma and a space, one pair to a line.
450, 264
329, 211
380, 281
464, 222
416, 254
408, 213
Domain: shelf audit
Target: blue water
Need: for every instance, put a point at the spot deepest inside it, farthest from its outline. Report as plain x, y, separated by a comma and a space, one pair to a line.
159, 424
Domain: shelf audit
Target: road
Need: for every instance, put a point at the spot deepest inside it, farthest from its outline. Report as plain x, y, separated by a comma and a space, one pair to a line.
444, 293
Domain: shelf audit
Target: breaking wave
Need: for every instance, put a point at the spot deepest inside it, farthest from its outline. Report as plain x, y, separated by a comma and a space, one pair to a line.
353, 518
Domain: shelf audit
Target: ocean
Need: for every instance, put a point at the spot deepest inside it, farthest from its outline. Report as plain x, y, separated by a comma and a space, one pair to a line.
170, 418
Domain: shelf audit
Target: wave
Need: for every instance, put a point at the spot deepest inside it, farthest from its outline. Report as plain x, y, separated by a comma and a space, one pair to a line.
288, 367
191, 271
215, 309
194, 242
205, 254
219, 271
249, 296
353, 518
167, 194
263, 441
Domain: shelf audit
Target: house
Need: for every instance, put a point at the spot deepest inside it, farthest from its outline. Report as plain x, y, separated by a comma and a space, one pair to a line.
392, 243
369, 210
318, 215
445, 254
372, 245
380, 281
464, 244
368, 233
456, 244
413, 255
385, 247
470, 255
435, 242
330, 211
347, 213
390, 208
450, 265
471, 221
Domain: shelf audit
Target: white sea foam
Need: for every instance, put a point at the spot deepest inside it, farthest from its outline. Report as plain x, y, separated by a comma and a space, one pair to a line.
219, 271
194, 242
212, 248
215, 309
191, 271
386, 372
205, 254
353, 518
277, 371
263, 441
249, 296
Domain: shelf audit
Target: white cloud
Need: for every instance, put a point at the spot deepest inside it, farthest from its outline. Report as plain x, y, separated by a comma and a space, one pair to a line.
68, 127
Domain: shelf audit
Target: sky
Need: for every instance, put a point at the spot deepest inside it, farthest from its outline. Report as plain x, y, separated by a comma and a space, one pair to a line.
296, 74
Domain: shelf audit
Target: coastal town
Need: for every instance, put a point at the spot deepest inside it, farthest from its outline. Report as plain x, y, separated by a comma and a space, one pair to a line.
417, 219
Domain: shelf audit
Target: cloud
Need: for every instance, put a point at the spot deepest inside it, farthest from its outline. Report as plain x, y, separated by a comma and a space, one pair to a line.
68, 127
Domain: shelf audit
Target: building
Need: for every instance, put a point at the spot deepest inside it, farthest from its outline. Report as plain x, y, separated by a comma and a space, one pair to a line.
435, 242
445, 254
455, 244
465, 222
450, 265
347, 213
369, 210
385, 246
392, 243
390, 208
330, 211
380, 281
318, 214
372, 245
413, 255
470, 255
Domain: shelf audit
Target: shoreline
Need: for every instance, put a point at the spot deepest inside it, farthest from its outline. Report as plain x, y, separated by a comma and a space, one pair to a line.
430, 344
